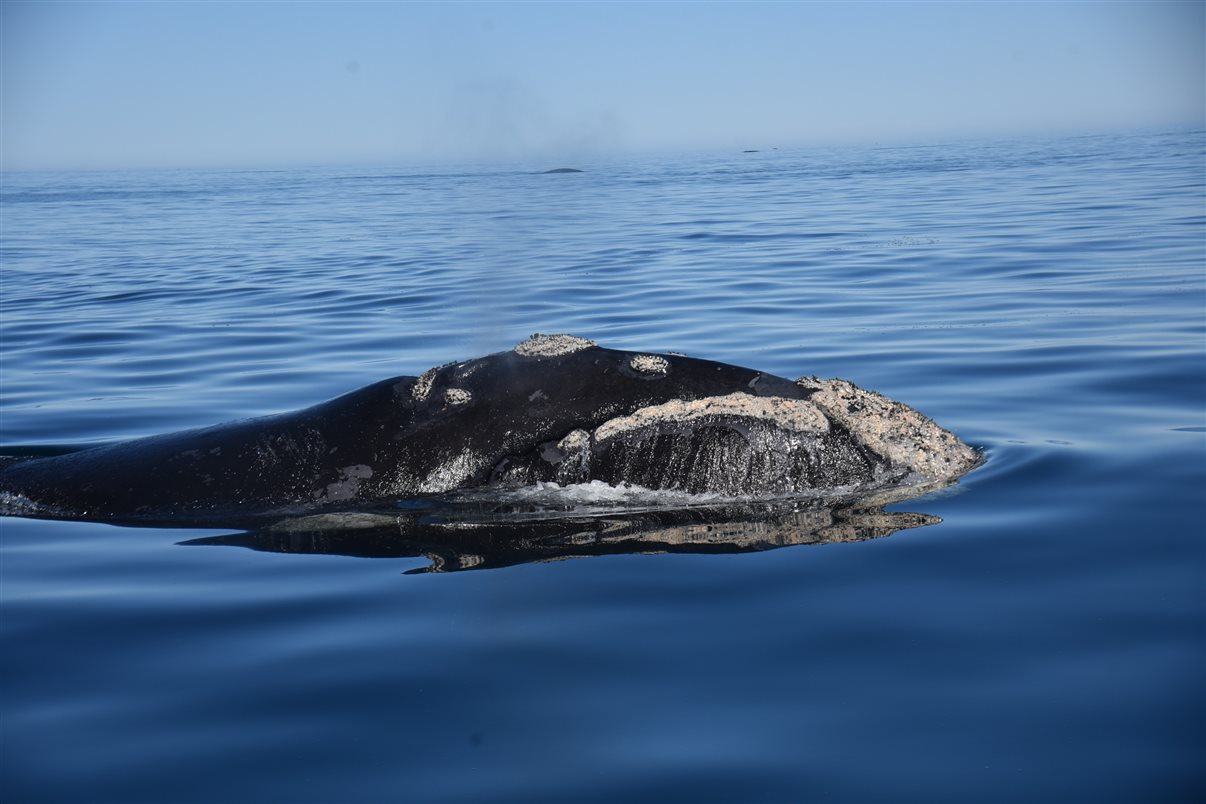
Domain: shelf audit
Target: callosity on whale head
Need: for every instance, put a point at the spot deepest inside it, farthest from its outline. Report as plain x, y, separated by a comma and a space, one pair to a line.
557, 408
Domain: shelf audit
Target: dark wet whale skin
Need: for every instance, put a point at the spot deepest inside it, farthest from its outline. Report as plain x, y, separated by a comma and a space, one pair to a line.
382, 442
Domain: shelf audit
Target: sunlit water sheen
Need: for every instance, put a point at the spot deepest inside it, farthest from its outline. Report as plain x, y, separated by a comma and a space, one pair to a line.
1045, 642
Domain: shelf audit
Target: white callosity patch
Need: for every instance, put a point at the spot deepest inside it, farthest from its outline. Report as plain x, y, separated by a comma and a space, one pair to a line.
453, 396
552, 345
796, 415
457, 396
574, 465
649, 364
892, 429
575, 441
422, 388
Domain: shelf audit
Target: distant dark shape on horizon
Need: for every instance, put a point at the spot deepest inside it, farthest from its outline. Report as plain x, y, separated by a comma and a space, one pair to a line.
750, 151
564, 170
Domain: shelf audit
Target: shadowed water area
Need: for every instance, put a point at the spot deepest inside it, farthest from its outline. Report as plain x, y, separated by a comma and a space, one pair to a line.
1035, 632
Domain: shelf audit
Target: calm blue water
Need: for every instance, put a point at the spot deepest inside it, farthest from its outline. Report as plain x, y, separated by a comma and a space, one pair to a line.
1047, 642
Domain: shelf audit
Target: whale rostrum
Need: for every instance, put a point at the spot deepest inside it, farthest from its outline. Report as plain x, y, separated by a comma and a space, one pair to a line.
555, 409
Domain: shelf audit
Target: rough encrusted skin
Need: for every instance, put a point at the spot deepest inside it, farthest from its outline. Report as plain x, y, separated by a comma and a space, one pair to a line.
649, 364
422, 387
892, 429
795, 415
457, 396
552, 345
556, 408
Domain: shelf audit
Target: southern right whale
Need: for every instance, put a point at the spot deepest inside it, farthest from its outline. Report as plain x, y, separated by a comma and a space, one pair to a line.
555, 409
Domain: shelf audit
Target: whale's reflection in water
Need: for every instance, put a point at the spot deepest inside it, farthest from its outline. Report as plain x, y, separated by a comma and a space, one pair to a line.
482, 536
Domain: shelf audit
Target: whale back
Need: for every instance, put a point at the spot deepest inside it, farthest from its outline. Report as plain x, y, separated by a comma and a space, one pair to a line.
555, 409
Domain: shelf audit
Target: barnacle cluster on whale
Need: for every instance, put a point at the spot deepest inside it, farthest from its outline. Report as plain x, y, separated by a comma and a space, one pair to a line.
555, 409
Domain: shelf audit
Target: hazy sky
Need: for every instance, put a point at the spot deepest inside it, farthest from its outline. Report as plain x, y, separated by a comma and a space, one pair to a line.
99, 84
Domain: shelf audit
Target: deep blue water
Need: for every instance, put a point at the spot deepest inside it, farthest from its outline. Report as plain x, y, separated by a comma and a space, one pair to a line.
1046, 642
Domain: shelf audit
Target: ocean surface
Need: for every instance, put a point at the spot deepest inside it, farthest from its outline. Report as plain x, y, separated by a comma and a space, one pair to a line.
1044, 642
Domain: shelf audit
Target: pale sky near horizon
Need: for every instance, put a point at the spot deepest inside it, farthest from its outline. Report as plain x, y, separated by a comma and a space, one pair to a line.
180, 84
